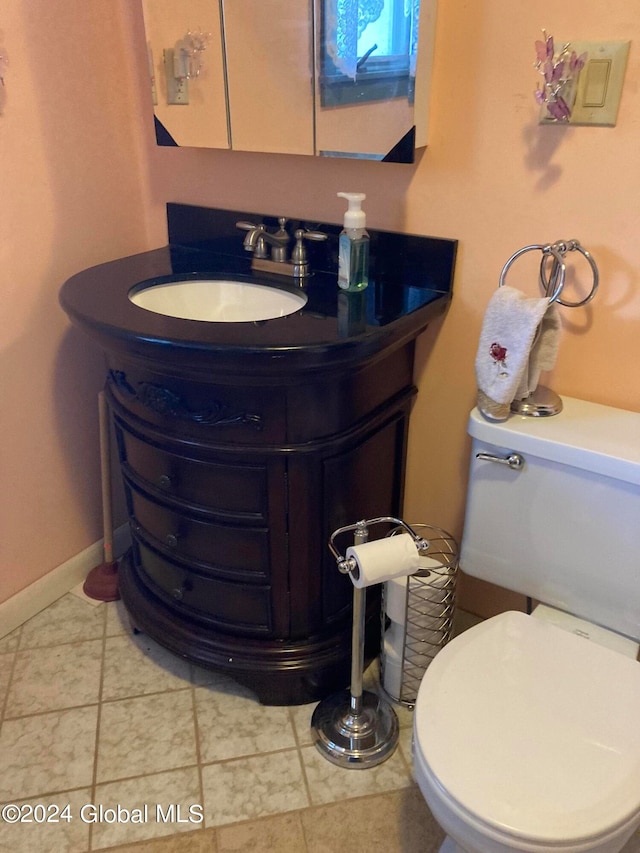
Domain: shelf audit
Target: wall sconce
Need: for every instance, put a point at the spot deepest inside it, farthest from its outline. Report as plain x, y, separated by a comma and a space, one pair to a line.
187, 54
182, 63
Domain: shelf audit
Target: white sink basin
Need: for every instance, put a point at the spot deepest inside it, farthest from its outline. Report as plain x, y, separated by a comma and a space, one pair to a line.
218, 300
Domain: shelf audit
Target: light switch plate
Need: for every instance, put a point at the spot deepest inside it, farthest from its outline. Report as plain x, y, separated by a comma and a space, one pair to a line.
600, 82
177, 87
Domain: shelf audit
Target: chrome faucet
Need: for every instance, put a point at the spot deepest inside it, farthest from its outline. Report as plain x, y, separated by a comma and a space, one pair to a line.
258, 238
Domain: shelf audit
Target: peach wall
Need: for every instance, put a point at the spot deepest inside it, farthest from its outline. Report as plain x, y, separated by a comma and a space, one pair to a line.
491, 177
72, 195
496, 180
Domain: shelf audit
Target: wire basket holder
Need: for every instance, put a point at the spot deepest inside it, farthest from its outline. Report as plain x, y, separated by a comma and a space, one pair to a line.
417, 616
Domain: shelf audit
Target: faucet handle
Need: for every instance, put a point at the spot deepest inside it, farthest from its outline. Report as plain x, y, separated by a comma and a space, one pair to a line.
314, 235
299, 252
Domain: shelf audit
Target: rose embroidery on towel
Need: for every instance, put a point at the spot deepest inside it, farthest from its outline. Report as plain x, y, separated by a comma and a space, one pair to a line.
499, 354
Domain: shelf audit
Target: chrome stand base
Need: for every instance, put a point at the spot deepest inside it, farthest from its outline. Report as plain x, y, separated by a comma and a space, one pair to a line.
541, 403
357, 739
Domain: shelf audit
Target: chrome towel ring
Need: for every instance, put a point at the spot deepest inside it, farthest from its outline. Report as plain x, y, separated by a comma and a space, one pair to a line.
553, 270
547, 278
558, 270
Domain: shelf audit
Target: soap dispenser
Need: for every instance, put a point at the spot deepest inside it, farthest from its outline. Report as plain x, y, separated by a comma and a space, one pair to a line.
353, 246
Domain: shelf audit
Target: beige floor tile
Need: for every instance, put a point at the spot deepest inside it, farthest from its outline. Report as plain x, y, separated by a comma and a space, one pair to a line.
232, 723
47, 753
328, 782
117, 619
6, 665
63, 831
146, 735
64, 621
301, 717
398, 822
49, 679
247, 788
9, 643
279, 834
200, 841
173, 788
405, 746
136, 665
79, 592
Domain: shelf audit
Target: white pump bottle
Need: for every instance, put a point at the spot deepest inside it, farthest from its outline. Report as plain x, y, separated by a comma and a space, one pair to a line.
353, 260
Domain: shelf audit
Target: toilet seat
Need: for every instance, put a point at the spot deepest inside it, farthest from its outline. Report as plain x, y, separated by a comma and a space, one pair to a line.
530, 733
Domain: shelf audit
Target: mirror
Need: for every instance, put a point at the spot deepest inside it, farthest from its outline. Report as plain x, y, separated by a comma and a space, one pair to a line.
331, 78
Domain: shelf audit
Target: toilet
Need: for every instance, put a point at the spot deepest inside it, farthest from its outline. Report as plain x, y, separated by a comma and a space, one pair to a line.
527, 727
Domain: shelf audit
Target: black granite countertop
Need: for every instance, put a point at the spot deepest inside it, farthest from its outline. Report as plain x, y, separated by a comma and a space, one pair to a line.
410, 283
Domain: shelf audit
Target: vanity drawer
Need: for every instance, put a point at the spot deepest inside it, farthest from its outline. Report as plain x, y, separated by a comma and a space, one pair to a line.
240, 490
241, 608
225, 415
227, 550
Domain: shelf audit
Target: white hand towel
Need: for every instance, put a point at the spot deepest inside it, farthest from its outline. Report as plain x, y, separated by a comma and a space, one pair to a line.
543, 353
506, 348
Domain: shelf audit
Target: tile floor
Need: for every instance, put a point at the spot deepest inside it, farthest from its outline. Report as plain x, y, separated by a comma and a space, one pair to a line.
92, 717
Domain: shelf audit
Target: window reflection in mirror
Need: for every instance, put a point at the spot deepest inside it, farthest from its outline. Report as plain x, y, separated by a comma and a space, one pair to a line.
366, 105
368, 50
347, 78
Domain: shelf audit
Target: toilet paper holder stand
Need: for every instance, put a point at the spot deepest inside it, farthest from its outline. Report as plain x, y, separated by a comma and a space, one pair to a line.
356, 728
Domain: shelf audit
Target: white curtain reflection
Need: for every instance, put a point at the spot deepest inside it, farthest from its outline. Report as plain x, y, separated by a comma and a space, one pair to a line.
346, 20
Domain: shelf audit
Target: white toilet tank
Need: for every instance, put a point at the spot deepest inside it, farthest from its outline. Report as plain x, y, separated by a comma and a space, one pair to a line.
565, 527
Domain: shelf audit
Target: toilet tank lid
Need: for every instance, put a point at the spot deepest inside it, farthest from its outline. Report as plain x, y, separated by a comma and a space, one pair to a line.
584, 435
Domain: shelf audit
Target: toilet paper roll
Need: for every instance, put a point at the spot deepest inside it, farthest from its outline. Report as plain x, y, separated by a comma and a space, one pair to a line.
395, 599
395, 590
394, 640
392, 677
383, 559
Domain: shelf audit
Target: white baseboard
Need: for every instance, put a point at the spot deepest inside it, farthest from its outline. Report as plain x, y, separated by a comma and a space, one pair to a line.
56, 583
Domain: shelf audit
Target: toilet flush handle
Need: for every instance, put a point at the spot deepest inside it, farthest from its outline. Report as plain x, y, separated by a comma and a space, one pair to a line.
513, 460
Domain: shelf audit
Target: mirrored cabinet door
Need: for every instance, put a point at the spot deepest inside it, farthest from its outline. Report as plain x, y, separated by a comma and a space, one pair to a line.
269, 54
331, 78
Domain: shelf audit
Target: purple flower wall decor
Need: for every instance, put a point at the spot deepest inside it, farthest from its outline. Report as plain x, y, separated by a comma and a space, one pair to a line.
560, 72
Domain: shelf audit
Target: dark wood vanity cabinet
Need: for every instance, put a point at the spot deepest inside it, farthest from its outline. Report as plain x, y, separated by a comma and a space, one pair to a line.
244, 445
233, 487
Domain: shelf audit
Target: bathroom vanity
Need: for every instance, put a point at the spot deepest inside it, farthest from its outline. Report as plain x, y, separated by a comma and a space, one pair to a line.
244, 445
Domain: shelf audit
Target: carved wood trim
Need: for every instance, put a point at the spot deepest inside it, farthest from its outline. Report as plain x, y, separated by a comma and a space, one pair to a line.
164, 402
